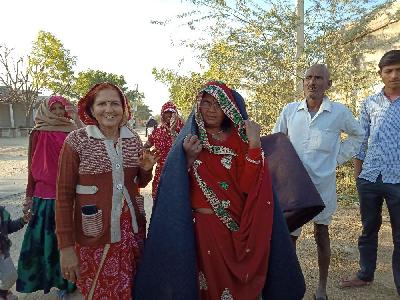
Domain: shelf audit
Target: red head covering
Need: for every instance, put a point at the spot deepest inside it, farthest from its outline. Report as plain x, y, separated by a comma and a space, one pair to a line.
168, 106
58, 99
86, 102
224, 96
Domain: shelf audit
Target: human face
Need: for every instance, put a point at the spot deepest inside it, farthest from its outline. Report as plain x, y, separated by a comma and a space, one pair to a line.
212, 114
391, 76
107, 109
316, 82
58, 109
167, 116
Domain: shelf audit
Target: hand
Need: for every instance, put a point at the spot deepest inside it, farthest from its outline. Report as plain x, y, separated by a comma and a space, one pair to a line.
253, 134
357, 167
148, 159
27, 216
192, 147
27, 206
69, 264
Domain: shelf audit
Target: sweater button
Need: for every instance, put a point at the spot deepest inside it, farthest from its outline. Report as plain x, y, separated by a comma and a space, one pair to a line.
118, 166
119, 186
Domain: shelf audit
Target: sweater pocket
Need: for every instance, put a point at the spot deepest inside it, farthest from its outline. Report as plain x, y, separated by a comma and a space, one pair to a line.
92, 225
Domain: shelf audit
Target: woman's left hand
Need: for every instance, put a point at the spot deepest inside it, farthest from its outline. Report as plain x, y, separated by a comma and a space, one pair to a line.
148, 159
253, 131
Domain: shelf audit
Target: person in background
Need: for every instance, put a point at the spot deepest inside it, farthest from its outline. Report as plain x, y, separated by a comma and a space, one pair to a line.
377, 171
151, 123
314, 126
163, 137
8, 273
100, 219
38, 264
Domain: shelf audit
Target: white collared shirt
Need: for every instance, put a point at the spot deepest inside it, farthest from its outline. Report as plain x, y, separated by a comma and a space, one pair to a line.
318, 144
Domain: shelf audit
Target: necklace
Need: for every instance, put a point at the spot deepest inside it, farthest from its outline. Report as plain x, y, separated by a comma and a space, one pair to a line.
215, 135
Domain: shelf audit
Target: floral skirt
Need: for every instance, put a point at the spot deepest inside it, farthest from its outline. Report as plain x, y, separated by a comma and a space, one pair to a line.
39, 260
115, 280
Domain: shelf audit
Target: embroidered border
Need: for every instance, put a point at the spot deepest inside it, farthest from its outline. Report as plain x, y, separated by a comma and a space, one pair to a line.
203, 281
226, 295
219, 207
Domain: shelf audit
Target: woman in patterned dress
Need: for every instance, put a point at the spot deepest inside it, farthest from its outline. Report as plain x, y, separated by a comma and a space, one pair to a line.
100, 216
232, 221
163, 137
217, 231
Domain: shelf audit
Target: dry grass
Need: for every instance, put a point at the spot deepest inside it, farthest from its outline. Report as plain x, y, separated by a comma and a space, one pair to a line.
344, 233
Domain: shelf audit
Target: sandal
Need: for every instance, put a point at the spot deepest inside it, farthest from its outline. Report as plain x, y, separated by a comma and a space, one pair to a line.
353, 281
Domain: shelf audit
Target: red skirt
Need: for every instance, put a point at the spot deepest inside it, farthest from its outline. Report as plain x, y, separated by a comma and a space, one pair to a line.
115, 279
156, 179
223, 271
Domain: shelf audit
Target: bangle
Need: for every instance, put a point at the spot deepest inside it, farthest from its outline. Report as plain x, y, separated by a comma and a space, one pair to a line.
257, 162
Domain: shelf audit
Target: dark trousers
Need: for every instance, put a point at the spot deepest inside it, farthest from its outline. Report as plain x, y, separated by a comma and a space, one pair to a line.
371, 195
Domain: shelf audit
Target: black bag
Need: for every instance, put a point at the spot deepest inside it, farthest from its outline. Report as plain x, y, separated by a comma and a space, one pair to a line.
298, 197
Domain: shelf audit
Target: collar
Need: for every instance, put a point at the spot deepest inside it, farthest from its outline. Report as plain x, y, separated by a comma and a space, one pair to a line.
94, 132
325, 105
382, 93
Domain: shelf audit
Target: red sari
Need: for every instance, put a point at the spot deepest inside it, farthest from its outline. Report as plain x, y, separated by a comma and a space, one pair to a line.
232, 261
162, 140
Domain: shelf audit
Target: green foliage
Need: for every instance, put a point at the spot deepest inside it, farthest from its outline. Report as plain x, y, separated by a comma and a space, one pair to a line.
143, 112
86, 79
252, 47
183, 89
50, 64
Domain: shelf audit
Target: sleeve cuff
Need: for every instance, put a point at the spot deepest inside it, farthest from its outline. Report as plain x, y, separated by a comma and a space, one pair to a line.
65, 242
360, 156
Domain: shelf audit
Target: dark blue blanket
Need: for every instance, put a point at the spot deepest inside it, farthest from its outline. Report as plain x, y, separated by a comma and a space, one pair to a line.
168, 267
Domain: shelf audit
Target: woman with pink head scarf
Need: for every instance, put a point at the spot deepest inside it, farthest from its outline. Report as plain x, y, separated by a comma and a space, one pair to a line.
38, 265
163, 137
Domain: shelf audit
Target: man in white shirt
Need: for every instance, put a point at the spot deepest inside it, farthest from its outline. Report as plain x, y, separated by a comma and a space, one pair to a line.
314, 126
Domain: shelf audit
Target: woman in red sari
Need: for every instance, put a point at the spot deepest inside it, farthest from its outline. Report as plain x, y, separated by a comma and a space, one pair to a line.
233, 222
163, 137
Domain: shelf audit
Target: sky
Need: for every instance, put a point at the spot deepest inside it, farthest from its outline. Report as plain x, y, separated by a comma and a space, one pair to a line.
113, 36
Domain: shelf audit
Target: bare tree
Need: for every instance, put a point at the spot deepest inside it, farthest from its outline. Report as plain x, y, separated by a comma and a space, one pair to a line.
18, 78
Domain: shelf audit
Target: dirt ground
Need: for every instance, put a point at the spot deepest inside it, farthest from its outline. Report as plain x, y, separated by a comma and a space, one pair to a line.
344, 232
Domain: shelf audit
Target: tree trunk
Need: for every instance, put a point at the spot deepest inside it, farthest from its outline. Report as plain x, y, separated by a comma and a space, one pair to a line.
28, 118
300, 45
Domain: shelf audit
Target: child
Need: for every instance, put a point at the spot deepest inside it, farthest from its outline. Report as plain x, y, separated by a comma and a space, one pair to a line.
8, 273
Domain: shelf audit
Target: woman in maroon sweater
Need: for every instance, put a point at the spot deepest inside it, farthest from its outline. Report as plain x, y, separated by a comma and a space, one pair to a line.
99, 213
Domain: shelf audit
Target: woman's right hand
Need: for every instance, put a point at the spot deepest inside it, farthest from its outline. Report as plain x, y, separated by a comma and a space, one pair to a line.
192, 147
69, 264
